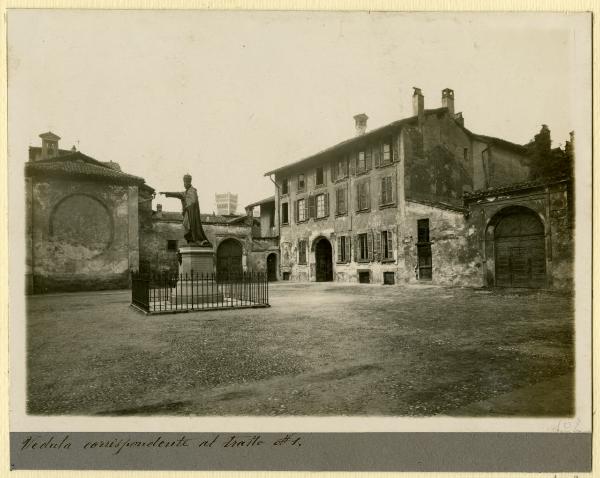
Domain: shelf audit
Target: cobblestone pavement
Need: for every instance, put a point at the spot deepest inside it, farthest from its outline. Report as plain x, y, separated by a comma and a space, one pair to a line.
321, 349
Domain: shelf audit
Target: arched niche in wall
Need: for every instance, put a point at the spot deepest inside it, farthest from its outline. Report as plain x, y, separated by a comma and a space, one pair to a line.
82, 226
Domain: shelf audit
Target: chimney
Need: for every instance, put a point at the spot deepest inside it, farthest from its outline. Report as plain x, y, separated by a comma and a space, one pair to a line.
448, 100
418, 104
458, 117
49, 145
361, 123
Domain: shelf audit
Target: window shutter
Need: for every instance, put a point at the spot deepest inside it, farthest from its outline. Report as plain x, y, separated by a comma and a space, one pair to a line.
352, 161
347, 248
325, 174
345, 166
368, 159
311, 207
346, 199
368, 193
377, 155
377, 250
296, 215
355, 248
370, 245
339, 249
390, 244
395, 155
334, 171
326, 204
357, 197
305, 204
381, 190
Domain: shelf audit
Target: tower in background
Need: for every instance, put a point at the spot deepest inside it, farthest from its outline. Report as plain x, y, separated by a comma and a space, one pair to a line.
226, 203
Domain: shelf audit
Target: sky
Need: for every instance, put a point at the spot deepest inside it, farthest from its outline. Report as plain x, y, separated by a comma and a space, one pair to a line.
227, 96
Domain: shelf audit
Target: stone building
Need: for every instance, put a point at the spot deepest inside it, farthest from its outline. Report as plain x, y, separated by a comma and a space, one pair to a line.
82, 227
396, 204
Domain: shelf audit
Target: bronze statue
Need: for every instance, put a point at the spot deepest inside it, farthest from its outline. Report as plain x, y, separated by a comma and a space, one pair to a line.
192, 224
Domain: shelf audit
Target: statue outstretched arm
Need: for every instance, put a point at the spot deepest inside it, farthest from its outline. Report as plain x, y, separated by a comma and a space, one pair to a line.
173, 194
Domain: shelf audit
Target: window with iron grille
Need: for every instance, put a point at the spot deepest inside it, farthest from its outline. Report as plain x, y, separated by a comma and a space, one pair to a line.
284, 213
302, 252
363, 196
301, 182
387, 251
284, 186
341, 207
387, 192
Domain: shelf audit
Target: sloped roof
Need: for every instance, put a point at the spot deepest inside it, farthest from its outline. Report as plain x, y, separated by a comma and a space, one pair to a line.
49, 135
262, 201
80, 165
383, 129
508, 188
356, 139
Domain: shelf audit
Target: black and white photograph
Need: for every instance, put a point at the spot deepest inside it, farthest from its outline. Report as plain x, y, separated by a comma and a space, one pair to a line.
328, 221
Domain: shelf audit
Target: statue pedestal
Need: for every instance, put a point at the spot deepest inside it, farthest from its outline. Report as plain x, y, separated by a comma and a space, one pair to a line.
196, 259
196, 284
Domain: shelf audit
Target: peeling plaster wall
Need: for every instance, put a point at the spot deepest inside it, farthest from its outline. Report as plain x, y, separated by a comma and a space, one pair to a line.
436, 168
456, 260
83, 234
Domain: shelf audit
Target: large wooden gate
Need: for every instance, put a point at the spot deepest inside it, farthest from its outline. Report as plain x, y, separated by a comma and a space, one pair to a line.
324, 260
520, 252
229, 258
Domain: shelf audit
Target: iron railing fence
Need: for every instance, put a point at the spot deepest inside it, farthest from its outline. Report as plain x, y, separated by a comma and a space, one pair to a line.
167, 292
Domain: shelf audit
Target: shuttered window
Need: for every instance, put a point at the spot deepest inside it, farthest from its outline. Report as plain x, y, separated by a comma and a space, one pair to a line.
361, 163
341, 205
301, 183
284, 213
302, 252
387, 251
322, 204
284, 186
301, 210
364, 246
343, 249
319, 177
363, 196
386, 195
386, 153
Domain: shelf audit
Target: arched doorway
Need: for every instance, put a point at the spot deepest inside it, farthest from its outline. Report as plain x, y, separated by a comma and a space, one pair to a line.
272, 267
324, 260
519, 248
229, 258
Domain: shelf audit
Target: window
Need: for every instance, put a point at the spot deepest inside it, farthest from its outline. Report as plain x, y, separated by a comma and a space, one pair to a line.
466, 153
284, 186
320, 177
361, 162
386, 154
343, 249
172, 245
423, 230
363, 197
322, 206
342, 169
363, 247
286, 276
302, 252
387, 250
387, 192
388, 278
301, 182
364, 277
424, 257
340, 201
301, 210
284, 213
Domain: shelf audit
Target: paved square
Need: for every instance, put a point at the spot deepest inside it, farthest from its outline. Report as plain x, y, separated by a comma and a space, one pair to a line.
321, 349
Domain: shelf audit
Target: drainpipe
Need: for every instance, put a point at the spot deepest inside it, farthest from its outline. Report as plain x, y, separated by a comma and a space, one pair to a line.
278, 223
